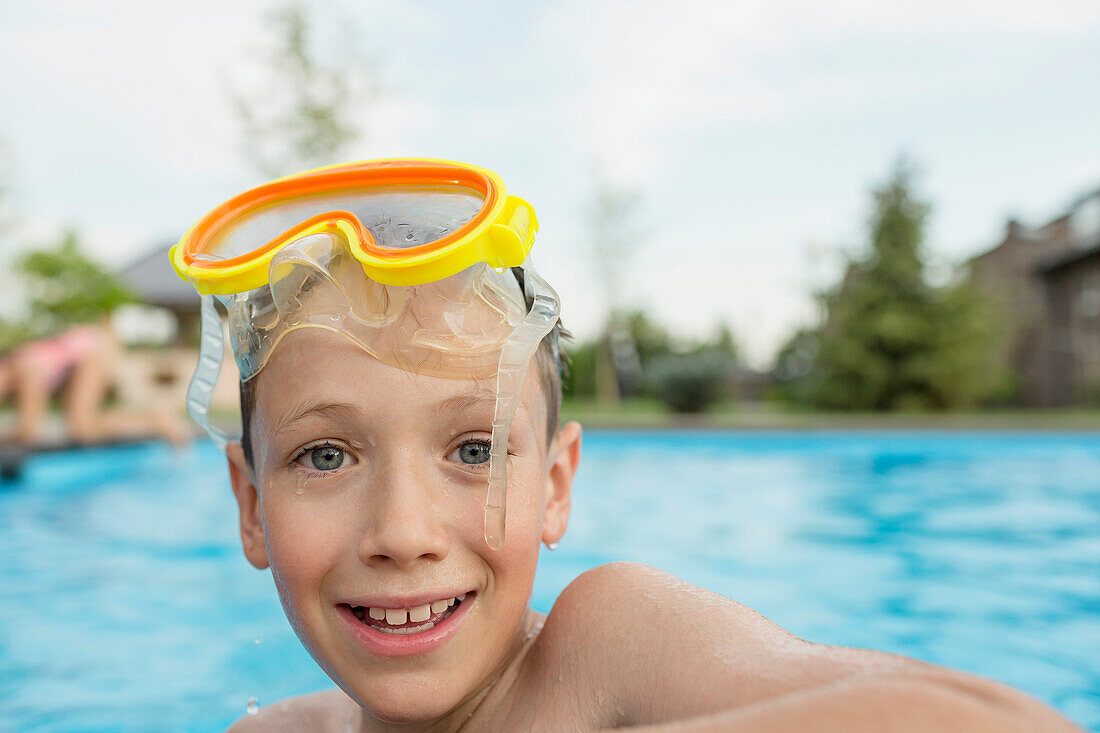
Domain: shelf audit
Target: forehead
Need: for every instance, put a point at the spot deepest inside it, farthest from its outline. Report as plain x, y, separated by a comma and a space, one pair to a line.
315, 365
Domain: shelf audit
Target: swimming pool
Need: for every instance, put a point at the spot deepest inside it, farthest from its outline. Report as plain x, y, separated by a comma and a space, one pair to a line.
126, 604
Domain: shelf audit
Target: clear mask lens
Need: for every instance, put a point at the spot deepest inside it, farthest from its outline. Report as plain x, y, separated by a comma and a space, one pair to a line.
398, 217
453, 328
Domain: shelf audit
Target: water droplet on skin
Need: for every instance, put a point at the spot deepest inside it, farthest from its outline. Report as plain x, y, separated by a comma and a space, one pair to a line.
299, 491
253, 706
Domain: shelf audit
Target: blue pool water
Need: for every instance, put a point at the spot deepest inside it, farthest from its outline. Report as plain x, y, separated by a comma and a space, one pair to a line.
125, 602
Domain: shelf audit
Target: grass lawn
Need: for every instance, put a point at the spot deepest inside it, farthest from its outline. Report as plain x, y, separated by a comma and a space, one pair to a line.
648, 413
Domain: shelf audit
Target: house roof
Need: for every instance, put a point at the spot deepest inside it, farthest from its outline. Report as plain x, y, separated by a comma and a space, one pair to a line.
1059, 231
154, 282
1069, 259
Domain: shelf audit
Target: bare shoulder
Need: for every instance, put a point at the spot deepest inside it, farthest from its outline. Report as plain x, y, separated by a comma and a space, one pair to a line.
636, 605
649, 647
321, 711
657, 648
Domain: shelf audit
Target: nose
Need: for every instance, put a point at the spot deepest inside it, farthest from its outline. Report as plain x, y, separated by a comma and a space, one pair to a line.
405, 522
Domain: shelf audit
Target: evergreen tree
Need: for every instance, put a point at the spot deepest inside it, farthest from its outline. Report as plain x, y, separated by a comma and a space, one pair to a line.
892, 341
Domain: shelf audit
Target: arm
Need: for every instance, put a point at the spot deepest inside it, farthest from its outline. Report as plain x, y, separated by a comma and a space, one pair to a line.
895, 703
665, 652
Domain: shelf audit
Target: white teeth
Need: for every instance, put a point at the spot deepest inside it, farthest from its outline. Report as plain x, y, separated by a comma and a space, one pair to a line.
401, 616
407, 630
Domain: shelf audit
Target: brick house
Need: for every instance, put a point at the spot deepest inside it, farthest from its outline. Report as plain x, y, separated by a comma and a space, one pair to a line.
1046, 281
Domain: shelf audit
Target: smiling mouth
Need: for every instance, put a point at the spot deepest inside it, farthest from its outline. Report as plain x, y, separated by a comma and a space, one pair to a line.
406, 621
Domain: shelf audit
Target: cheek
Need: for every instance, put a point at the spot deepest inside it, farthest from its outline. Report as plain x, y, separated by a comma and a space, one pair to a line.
523, 535
303, 544
525, 496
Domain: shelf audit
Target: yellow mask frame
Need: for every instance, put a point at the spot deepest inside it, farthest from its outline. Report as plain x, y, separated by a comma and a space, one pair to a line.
500, 234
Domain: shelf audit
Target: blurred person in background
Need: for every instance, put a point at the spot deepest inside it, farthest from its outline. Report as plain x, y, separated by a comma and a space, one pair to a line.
77, 365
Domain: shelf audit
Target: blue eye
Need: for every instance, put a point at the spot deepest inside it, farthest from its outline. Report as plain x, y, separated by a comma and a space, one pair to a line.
473, 452
324, 457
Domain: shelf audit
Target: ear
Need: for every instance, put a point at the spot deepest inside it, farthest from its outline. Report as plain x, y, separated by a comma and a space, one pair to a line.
565, 456
248, 502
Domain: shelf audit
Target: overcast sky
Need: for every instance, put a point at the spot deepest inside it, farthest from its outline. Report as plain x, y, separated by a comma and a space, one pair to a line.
752, 130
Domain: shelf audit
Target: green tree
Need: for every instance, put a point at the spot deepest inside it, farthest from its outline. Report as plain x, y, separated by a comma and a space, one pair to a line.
302, 115
890, 340
65, 287
649, 337
697, 375
692, 382
580, 379
689, 377
794, 368
588, 358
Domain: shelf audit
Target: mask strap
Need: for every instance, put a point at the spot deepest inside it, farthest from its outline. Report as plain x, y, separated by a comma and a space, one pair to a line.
528, 301
515, 357
211, 352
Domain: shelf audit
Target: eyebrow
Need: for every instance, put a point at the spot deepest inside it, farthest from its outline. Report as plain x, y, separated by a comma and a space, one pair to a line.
469, 400
303, 410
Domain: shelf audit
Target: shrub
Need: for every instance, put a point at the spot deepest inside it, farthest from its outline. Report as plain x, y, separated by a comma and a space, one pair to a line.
690, 383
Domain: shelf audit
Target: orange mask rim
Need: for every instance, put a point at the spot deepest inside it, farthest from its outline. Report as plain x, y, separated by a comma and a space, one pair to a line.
370, 174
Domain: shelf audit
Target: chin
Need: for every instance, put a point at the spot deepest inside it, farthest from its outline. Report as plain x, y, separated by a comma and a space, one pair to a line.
404, 698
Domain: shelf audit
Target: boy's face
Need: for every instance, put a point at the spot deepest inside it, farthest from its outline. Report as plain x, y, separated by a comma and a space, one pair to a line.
368, 491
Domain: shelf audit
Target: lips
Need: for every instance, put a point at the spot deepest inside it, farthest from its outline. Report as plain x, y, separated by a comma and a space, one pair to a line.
404, 630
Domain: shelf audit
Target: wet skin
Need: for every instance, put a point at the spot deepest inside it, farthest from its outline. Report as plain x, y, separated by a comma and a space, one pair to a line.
366, 486
396, 512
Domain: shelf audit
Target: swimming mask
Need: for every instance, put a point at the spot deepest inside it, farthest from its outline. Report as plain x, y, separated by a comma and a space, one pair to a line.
419, 262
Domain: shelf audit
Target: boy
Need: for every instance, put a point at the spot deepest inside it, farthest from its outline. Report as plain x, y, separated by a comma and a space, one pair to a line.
400, 465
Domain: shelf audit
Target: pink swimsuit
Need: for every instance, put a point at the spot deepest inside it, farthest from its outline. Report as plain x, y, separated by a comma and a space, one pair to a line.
55, 357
